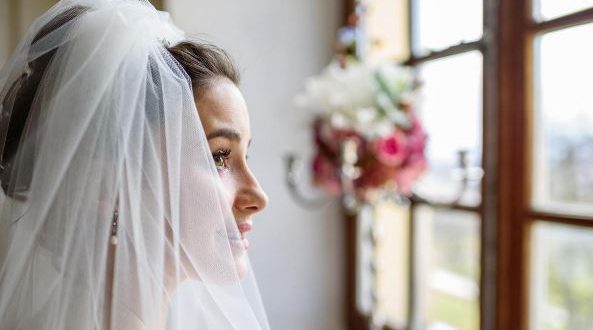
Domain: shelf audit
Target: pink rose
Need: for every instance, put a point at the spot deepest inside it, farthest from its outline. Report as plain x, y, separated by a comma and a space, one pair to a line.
392, 149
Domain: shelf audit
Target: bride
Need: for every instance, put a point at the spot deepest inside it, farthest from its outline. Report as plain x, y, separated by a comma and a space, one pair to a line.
127, 195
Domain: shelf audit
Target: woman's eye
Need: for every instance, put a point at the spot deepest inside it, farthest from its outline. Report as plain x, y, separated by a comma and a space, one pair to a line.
221, 158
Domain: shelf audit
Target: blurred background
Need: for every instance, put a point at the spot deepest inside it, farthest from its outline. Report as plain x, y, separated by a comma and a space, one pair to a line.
499, 231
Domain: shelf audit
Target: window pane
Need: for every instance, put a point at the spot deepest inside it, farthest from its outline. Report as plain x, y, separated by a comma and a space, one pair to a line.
562, 278
549, 9
451, 110
364, 260
391, 253
448, 255
386, 24
441, 24
563, 151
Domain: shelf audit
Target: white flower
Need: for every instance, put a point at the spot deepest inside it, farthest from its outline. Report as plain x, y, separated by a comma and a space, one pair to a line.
338, 120
360, 96
399, 79
366, 115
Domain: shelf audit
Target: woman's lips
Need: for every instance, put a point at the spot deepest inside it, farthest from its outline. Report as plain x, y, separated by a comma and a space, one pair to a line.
243, 228
245, 243
240, 241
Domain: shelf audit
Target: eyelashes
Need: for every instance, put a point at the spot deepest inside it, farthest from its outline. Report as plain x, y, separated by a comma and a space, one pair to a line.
221, 158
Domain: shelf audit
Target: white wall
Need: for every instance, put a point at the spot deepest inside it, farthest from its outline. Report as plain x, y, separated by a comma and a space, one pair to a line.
297, 254
15, 18
4, 31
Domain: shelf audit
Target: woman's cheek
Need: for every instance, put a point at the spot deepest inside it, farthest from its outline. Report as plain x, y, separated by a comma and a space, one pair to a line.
228, 186
207, 253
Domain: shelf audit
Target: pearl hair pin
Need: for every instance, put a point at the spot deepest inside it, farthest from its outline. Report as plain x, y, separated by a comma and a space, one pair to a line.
114, 225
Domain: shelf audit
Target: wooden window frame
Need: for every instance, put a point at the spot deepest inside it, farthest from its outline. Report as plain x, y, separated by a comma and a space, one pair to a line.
507, 215
517, 216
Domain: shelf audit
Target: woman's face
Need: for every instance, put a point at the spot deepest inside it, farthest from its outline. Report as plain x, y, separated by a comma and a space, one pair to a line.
224, 116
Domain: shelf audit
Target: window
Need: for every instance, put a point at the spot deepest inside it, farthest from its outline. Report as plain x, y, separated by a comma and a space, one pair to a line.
505, 241
449, 53
554, 216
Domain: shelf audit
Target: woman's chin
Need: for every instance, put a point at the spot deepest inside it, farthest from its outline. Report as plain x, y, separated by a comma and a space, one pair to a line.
241, 260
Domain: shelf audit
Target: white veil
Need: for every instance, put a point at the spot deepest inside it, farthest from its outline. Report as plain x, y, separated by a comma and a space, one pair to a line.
110, 125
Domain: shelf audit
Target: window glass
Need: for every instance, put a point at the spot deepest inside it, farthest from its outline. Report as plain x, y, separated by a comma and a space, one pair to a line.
561, 277
393, 253
451, 110
441, 24
448, 254
563, 150
549, 9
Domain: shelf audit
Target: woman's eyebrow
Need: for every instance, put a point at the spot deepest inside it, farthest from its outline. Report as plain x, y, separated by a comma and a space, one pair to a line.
228, 133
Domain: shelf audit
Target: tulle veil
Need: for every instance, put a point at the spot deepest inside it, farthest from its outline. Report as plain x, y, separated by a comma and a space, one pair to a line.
112, 127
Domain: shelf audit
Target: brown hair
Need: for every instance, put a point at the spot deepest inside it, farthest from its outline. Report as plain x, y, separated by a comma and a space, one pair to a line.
204, 64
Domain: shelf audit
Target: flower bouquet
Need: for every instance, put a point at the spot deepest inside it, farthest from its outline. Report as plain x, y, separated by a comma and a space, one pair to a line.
373, 106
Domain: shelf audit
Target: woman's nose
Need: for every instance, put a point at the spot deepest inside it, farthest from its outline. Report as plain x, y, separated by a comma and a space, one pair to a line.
250, 197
